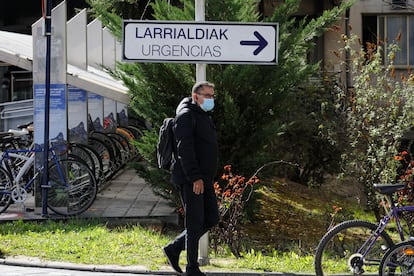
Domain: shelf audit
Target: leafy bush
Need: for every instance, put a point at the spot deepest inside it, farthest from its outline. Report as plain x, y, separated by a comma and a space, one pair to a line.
380, 109
233, 193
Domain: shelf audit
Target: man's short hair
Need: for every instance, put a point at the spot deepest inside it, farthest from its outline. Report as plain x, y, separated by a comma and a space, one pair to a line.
198, 85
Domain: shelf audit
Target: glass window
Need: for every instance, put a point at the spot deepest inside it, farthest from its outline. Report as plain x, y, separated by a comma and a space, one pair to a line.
397, 33
398, 29
21, 85
411, 39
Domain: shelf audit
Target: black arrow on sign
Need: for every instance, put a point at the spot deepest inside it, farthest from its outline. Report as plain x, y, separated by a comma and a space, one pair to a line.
261, 42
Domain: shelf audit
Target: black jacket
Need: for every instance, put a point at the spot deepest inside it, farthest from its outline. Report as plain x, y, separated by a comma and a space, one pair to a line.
196, 142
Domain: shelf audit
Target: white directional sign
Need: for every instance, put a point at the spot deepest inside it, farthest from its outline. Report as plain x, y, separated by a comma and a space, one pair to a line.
201, 42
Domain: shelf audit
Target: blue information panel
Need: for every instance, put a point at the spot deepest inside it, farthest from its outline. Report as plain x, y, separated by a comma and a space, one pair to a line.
77, 119
57, 118
109, 122
122, 114
95, 112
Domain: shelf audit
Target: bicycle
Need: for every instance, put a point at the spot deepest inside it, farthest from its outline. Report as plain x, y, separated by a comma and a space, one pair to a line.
71, 188
17, 138
357, 246
399, 260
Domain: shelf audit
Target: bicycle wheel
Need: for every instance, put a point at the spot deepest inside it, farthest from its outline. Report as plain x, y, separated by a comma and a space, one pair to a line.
106, 156
78, 152
72, 187
5, 190
399, 260
123, 145
130, 138
113, 144
339, 249
98, 166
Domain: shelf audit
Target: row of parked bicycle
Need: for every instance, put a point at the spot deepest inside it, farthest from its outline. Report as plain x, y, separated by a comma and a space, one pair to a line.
76, 172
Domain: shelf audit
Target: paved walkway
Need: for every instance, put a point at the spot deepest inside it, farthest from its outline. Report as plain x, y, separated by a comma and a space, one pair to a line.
126, 197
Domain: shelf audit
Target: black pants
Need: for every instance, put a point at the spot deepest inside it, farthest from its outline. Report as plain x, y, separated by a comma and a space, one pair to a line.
201, 213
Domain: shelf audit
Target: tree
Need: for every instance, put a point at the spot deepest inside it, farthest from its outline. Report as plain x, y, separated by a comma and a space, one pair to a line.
252, 101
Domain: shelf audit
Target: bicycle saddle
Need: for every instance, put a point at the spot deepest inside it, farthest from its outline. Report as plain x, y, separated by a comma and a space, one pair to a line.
387, 189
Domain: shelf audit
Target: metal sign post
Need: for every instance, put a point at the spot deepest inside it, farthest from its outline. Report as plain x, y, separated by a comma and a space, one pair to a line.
200, 76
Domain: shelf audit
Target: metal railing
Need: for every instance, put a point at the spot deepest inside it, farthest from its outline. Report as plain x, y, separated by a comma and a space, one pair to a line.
15, 113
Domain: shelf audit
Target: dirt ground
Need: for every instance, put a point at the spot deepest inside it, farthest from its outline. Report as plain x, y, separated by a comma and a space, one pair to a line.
291, 216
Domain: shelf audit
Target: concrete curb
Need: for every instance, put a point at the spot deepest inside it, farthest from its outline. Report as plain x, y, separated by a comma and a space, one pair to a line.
34, 262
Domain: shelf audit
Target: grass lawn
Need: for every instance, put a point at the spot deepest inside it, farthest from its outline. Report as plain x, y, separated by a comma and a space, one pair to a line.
288, 221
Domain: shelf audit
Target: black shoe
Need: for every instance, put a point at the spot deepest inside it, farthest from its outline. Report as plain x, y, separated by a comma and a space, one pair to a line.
193, 271
194, 274
173, 257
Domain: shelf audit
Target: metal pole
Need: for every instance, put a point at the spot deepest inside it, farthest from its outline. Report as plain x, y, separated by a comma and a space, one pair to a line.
200, 16
48, 34
200, 76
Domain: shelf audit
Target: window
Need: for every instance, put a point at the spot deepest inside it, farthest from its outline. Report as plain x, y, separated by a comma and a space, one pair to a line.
398, 29
21, 85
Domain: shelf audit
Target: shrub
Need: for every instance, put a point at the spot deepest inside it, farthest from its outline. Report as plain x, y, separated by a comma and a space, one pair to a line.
380, 109
233, 192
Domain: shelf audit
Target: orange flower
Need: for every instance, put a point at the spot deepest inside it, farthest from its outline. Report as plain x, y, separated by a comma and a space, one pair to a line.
227, 167
227, 193
217, 186
398, 158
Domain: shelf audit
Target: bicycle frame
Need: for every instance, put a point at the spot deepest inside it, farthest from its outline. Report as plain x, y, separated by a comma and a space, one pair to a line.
393, 214
28, 156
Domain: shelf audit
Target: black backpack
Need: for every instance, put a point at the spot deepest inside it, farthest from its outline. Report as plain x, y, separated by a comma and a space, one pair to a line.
166, 145
166, 148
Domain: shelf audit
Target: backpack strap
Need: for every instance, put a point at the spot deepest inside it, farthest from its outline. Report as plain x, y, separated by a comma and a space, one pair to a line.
191, 112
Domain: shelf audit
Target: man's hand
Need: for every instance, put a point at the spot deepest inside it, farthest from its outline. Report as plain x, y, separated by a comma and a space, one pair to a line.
198, 187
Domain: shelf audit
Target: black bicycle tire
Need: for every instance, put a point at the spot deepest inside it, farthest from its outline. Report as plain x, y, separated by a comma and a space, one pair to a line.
80, 160
112, 144
134, 137
96, 163
99, 170
138, 133
130, 137
330, 235
6, 183
106, 155
396, 248
124, 143
76, 199
122, 149
84, 155
121, 138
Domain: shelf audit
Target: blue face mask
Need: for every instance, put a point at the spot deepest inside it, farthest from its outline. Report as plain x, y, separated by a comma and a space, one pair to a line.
207, 105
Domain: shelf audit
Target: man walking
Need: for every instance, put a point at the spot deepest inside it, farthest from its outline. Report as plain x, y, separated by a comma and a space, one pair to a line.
193, 174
